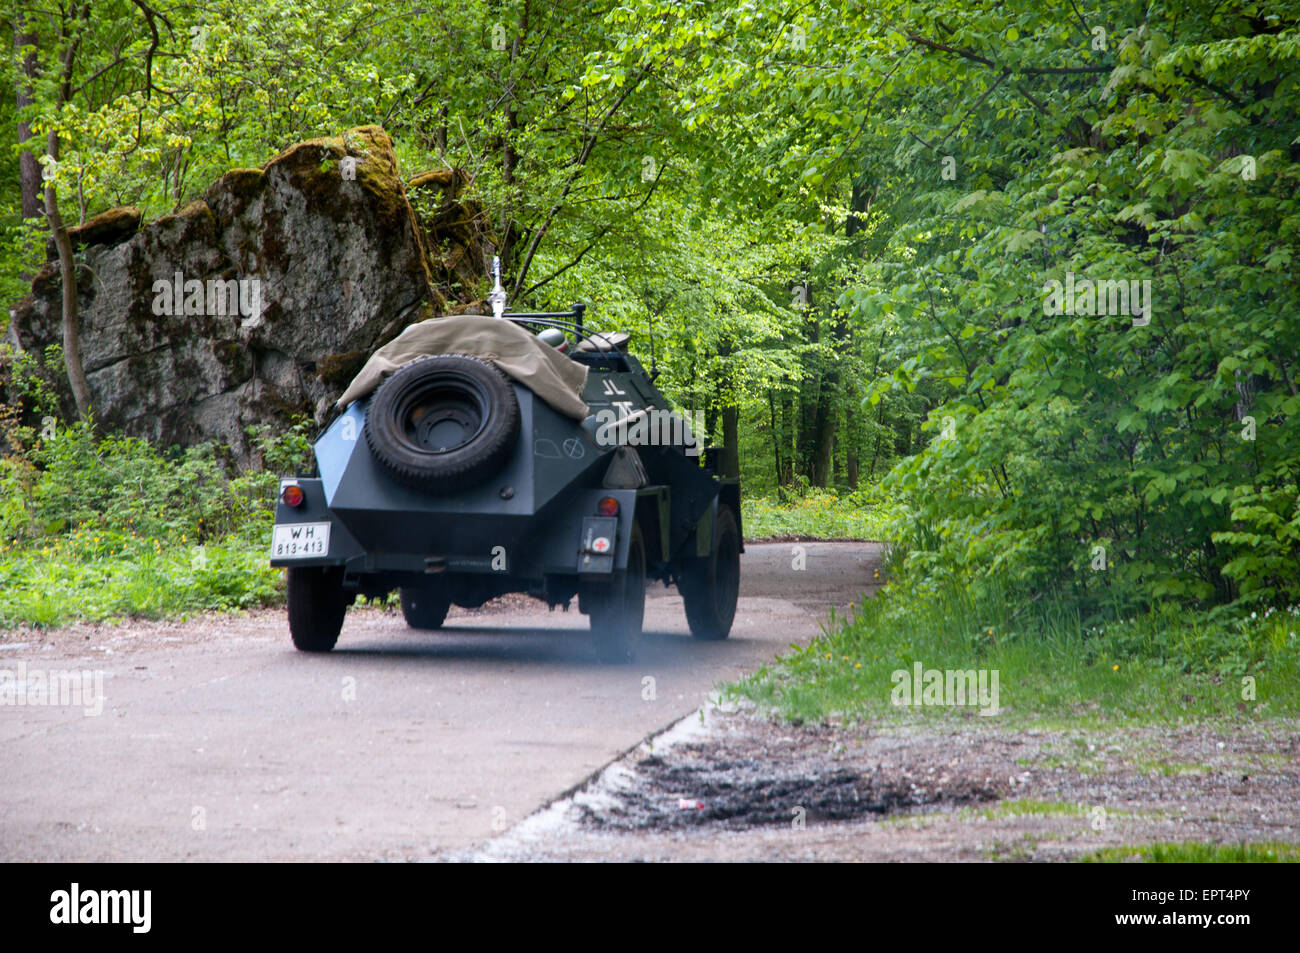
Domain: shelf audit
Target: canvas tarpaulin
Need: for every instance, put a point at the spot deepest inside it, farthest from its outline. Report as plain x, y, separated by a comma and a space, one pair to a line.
550, 375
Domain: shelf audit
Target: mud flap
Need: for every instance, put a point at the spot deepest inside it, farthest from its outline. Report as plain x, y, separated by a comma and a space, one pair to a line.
598, 543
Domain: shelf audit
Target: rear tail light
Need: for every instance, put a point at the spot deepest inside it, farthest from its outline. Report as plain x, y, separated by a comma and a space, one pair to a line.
608, 506
292, 495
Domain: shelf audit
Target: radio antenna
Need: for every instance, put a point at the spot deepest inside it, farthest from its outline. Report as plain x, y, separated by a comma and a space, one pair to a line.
498, 296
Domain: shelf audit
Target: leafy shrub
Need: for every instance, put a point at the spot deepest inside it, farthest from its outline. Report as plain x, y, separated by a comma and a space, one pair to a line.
96, 527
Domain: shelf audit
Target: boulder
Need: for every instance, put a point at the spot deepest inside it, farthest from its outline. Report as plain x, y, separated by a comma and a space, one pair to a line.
261, 300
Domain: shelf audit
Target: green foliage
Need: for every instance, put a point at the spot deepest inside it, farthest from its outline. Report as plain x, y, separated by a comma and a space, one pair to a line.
95, 528
22, 251
78, 481
1012, 147
841, 221
111, 575
1071, 432
817, 514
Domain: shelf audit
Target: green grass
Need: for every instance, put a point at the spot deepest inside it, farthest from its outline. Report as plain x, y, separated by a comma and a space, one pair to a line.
1013, 808
816, 514
1051, 669
95, 577
1029, 807
1194, 853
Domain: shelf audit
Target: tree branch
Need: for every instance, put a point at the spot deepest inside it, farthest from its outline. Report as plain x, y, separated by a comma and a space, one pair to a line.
579, 165
149, 16
598, 236
1028, 71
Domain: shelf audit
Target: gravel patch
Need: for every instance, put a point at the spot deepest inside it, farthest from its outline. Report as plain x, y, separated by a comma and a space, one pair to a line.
736, 787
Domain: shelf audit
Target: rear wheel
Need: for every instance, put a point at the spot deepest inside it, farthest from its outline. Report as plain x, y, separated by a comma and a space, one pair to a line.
617, 607
317, 603
710, 585
424, 610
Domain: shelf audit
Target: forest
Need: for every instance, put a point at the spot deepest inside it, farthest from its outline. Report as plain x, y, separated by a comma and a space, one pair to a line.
1008, 285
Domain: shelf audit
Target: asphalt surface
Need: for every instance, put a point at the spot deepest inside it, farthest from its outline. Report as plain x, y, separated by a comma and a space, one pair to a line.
217, 741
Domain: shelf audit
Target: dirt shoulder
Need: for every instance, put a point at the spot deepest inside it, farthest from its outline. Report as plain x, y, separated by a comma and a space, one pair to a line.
737, 787
214, 627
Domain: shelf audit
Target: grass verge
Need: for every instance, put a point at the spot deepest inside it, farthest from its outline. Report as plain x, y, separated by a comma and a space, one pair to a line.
1040, 664
1193, 853
95, 577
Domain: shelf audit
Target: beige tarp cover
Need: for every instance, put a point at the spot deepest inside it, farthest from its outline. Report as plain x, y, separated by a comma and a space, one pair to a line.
541, 368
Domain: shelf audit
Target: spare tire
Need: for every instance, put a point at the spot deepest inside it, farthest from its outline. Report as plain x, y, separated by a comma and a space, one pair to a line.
443, 423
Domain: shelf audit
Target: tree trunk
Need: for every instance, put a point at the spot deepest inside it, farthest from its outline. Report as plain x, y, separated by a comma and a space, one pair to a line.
728, 405
730, 462
852, 437
71, 319
863, 194
823, 430
695, 400
880, 430
809, 398
29, 170
68, 272
776, 436
902, 437
440, 132
827, 416
860, 201
711, 417
787, 438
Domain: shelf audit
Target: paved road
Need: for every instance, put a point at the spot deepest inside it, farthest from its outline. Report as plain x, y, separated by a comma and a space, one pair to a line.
217, 741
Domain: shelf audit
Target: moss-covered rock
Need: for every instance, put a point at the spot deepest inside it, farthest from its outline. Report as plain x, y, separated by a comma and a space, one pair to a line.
450, 181
323, 239
337, 370
107, 228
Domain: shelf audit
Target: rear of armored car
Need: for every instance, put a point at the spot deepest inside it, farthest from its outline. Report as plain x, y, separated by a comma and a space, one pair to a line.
522, 455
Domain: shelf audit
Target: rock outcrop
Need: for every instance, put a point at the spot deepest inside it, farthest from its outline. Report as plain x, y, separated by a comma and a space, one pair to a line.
261, 300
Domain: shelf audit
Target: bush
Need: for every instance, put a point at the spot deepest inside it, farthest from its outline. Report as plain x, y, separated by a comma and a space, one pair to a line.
818, 514
97, 527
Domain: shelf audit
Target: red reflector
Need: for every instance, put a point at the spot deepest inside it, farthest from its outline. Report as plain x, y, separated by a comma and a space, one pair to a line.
292, 495
608, 506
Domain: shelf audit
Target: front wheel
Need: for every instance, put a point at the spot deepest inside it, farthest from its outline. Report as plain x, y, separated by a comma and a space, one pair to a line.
617, 607
710, 585
317, 603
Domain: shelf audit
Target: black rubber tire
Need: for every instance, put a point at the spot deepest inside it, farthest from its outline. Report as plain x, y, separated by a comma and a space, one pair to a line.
617, 608
423, 609
317, 603
710, 585
454, 397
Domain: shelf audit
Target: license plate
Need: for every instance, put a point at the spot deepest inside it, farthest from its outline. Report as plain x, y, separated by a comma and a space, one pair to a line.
300, 540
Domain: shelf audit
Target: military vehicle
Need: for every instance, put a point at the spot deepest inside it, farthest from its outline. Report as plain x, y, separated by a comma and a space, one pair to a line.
456, 480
